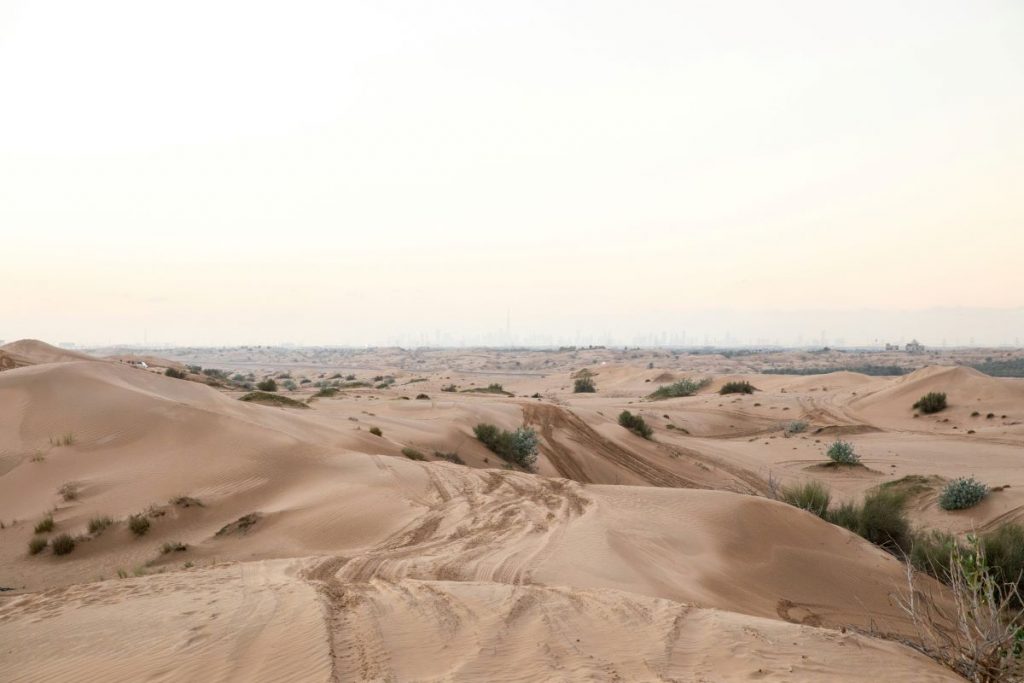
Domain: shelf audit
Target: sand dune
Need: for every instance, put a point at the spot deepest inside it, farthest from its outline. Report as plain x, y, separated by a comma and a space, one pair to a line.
317, 550
35, 352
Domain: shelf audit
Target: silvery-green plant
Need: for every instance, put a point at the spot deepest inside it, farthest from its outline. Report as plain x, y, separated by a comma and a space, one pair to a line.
842, 453
962, 493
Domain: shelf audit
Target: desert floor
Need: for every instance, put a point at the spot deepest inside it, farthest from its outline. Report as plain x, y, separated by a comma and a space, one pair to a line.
292, 543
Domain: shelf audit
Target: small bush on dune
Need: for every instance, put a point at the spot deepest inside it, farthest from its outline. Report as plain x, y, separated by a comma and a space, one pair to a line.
413, 454
267, 385
450, 457
45, 525
684, 387
932, 402
846, 515
883, 521
584, 385
450, 388
63, 544
176, 374
635, 424
812, 496
842, 452
796, 427
518, 446
422, 397
99, 524
272, 399
68, 491
175, 547
139, 524
962, 493
376, 431
737, 388
37, 545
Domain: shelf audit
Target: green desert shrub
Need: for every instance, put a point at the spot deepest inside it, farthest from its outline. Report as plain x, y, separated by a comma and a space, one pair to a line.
518, 446
176, 374
842, 452
737, 388
173, 547
37, 545
449, 388
635, 424
796, 427
962, 493
139, 524
45, 525
422, 397
62, 544
98, 524
413, 454
883, 521
267, 385
450, 457
68, 491
684, 387
846, 515
376, 431
812, 496
584, 385
932, 402
268, 398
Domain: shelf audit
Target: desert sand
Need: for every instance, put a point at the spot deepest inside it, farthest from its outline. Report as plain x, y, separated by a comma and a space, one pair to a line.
302, 546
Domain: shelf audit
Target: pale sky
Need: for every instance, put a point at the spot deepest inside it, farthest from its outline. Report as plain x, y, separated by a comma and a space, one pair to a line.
364, 172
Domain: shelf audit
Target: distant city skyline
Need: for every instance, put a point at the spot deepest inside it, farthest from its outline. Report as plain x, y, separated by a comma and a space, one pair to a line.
934, 328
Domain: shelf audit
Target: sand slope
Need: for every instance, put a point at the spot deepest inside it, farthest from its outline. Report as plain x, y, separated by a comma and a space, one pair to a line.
361, 565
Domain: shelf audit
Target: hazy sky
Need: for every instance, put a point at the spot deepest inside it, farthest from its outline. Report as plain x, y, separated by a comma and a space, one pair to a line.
219, 172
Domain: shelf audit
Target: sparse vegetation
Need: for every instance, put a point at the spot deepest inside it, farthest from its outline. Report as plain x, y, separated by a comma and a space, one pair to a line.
376, 431
841, 452
68, 491
62, 544
518, 446
584, 385
684, 387
240, 525
268, 384
98, 524
962, 493
175, 374
795, 427
272, 399
37, 545
450, 457
932, 402
494, 388
811, 496
139, 524
45, 525
326, 392
737, 388
186, 502
65, 439
173, 547
880, 518
635, 424
450, 388
975, 627
422, 397
413, 454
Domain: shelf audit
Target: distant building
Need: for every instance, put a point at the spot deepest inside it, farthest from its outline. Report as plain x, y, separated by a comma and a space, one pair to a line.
915, 347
